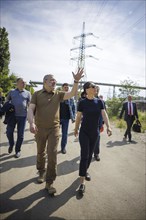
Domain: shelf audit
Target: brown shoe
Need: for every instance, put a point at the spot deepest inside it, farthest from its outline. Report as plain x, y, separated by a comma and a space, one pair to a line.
41, 177
49, 187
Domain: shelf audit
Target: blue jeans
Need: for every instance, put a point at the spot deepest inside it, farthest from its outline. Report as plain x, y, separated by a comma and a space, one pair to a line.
21, 122
64, 126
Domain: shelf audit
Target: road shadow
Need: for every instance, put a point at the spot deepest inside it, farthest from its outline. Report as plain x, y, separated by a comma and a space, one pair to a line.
23, 208
30, 141
6, 156
71, 133
18, 163
4, 144
119, 143
68, 166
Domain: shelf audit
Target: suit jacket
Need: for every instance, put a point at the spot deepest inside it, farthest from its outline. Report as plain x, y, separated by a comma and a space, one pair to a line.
125, 109
9, 111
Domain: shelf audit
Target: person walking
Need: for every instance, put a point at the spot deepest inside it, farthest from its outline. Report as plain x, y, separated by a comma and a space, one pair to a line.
129, 109
2, 100
88, 114
67, 112
19, 98
45, 103
100, 129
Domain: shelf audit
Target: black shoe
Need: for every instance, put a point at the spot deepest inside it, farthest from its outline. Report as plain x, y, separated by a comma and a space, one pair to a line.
10, 149
82, 188
97, 158
129, 140
87, 177
63, 151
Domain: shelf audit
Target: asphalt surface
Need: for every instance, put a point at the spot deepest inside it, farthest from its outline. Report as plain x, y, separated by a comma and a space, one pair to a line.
117, 190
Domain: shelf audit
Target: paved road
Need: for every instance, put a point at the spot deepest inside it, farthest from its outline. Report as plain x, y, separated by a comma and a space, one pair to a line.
116, 191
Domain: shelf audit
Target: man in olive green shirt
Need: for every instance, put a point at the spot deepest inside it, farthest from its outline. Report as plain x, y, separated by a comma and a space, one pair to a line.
45, 105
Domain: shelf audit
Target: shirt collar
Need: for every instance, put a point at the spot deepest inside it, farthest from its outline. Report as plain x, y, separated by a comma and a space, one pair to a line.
20, 90
51, 92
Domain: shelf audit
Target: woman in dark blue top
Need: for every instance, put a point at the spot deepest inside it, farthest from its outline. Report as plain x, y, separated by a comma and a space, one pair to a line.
88, 114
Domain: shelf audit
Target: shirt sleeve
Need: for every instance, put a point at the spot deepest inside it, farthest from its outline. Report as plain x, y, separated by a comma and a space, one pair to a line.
34, 98
80, 106
29, 96
102, 104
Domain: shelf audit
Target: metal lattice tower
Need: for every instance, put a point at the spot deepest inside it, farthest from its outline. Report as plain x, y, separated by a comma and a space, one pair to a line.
81, 58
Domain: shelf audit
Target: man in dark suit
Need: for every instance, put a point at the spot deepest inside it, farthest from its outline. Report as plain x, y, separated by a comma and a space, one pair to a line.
130, 110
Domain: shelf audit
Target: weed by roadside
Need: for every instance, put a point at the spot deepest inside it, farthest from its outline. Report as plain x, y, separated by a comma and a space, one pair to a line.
120, 123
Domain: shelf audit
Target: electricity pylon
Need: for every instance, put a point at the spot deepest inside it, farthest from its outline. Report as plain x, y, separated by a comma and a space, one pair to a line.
81, 58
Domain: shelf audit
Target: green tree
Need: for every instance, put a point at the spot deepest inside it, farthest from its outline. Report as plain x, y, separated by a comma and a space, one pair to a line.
113, 106
30, 89
4, 52
7, 81
128, 89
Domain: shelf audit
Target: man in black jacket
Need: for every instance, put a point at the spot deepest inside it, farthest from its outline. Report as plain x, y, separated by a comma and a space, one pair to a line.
2, 100
9, 111
67, 112
130, 110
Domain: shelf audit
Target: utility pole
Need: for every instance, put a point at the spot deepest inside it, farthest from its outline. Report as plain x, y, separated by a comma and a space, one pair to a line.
81, 58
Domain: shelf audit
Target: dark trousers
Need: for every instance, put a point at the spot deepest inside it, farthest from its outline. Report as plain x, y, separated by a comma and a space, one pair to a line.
129, 121
87, 143
97, 144
20, 122
64, 127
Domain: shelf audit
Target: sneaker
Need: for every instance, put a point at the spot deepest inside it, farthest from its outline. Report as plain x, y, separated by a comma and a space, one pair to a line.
82, 188
97, 158
18, 154
41, 177
87, 177
10, 149
49, 187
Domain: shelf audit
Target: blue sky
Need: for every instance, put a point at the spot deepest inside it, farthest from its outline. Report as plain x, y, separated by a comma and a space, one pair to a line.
41, 36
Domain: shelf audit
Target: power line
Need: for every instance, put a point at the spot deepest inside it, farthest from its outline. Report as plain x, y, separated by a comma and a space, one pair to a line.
134, 25
123, 22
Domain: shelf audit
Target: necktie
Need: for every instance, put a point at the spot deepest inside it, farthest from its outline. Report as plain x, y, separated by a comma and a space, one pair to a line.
130, 110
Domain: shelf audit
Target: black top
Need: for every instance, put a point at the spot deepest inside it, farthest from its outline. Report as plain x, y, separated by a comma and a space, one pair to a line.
91, 110
64, 111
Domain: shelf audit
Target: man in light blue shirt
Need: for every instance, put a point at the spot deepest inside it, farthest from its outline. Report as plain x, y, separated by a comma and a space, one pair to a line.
20, 99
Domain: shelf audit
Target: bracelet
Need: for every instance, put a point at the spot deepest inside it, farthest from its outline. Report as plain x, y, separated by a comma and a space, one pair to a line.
75, 81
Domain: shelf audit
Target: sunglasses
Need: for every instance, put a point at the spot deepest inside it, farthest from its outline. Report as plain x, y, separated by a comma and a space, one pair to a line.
92, 86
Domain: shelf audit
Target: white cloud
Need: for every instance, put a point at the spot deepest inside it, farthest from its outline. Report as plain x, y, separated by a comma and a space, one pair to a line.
41, 33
